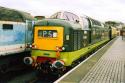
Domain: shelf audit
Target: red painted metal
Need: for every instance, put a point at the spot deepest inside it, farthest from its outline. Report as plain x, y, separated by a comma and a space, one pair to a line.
43, 59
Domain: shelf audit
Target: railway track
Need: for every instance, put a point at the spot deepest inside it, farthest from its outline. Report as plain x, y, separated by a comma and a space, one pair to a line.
32, 77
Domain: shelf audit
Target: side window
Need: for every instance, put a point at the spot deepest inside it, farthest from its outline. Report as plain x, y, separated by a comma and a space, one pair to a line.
7, 27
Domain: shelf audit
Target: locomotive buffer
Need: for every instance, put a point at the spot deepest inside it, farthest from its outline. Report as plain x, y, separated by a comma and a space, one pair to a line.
108, 69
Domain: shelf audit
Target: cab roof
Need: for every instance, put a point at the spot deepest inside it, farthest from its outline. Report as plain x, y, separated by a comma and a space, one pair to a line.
58, 22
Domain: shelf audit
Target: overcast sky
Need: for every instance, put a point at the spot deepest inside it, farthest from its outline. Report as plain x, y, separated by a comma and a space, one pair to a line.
102, 10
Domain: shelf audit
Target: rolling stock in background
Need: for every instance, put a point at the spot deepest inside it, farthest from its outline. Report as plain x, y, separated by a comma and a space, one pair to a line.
15, 36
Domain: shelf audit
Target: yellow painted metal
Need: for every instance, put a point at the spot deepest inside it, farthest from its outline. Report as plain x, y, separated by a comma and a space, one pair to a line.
114, 32
44, 43
70, 57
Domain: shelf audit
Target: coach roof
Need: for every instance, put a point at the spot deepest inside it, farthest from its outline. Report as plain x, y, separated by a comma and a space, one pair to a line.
7, 14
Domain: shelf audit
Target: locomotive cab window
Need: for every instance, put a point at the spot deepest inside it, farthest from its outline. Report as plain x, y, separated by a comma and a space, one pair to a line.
7, 27
47, 33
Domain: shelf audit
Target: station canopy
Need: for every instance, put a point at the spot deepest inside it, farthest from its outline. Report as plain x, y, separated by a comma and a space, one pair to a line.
7, 14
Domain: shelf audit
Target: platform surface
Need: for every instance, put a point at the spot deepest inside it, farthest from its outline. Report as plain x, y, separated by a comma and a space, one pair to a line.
111, 66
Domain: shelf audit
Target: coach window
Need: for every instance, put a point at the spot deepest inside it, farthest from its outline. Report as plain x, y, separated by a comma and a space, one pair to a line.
7, 27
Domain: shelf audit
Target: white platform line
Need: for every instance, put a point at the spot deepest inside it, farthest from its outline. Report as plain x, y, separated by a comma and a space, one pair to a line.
58, 80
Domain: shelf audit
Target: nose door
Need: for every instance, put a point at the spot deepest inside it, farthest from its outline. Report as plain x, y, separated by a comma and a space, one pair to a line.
48, 37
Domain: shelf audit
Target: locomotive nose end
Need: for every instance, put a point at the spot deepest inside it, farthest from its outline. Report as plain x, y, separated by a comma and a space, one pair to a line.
28, 60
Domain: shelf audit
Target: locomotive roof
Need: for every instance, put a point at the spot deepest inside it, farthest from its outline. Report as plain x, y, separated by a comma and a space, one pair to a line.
7, 14
58, 22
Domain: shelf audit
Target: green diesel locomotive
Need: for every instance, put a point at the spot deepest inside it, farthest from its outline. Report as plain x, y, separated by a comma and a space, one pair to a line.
63, 39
